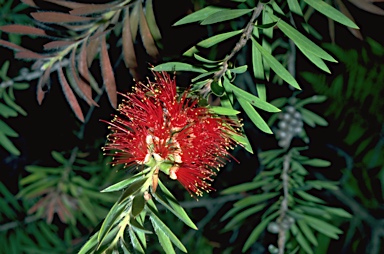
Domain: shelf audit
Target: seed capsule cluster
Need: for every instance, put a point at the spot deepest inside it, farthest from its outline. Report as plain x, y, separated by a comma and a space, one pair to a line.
290, 125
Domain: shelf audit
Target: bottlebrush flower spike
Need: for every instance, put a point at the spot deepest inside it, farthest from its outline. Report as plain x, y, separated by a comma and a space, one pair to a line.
158, 128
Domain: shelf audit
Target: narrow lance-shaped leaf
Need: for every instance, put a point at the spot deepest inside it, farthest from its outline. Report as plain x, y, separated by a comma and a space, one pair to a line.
177, 66
107, 73
8, 145
213, 40
135, 241
198, 15
128, 48
146, 36
111, 218
92, 49
257, 231
134, 19
57, 44
258, 69
254, 116
58, 17
93, 9
84, 89
300, 239
22, 29
254, 100
161, 228
178, 210
82, 62
71, 98
331, 12
276, 66
225, 15
302, 42
150, 16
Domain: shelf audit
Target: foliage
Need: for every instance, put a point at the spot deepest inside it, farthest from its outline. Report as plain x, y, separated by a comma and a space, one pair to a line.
248, 50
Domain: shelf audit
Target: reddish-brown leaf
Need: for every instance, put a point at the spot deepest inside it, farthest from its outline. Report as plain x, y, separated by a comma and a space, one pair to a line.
92, 49
37, 205
82, 62
21, 29
58, 17
128, 49
107, 73
134, 19
85, 91
368, 6
57, 44
50, 208
71, 98
30, 55
11, 45
94, 8
30, 3
68, 4
40, 93
345, 11
146, 36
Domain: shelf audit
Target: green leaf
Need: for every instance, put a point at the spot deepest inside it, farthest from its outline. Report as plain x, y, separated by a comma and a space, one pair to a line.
8, 145
243, 187
123, 184
338, 211
224, 15
46, 170
252, 99
89, 245
58, 157
316, 163
161, 228
300, 239
257, 231
307, 231
13, 105
198, 15
255, 199
136, 225
20, 86
112, 217
132, 189
6, 111
309, 197
322, 227
331, 12
311, 118
313, 99
135, 242
204, 60
294, 7
177, 209
254, 116
138, 204
276, 66
211, 41
177, 66
239, 217
239, 70
4, 128
223, 111
302, 42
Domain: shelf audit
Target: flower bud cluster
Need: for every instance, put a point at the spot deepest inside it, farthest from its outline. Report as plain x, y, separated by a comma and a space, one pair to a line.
290, 125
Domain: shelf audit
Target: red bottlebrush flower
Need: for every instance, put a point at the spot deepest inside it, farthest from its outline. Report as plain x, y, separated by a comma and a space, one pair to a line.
157, 124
